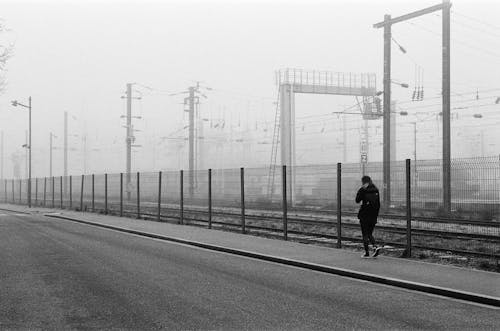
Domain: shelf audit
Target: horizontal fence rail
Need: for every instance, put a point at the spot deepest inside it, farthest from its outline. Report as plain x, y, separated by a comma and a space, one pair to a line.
306, 203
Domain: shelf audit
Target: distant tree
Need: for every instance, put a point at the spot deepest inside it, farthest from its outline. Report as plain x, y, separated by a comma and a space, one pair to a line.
6, 50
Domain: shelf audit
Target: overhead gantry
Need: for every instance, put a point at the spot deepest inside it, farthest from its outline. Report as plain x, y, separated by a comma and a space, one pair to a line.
292, 81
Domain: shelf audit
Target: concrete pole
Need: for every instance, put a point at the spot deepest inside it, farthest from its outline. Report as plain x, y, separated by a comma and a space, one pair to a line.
1, 155
129, 140
65, 138
191, 140
26, 161
387, 113
65, 144
29, 156
84, 142
50, 153
344, 139
446, 109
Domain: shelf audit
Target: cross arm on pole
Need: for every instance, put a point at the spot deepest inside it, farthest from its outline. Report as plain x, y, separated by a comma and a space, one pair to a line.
417, 13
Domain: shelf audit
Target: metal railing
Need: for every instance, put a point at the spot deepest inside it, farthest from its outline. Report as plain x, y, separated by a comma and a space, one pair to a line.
326, 78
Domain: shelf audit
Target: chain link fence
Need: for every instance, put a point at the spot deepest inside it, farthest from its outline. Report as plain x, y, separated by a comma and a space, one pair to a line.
305, 203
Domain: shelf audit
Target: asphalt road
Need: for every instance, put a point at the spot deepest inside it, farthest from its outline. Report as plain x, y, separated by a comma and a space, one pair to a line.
57, 274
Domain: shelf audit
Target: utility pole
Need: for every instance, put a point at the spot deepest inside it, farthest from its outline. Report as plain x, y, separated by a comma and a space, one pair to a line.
446, 170
65, 173
415, 185
387, 113
26, 154
129, 138
50, 154
415, 144
190, 101
201, 144
65, 144
344, 139
364, 146
446, 109
84, 143
191, 140
481, 135
1, 155
29, 146
51, 148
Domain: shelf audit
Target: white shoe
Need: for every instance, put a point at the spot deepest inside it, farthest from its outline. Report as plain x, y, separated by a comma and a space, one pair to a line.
376, 252
365, 256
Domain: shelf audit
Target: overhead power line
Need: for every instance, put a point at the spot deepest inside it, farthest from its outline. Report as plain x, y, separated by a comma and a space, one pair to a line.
480, 21
459, 42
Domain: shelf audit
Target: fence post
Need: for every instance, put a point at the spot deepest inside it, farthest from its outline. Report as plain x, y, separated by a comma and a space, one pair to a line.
93, 193
105, 193
242, 187
44, 191
407, 252
61, 192
121, 194
138, 196
339, 205
181, 215
159, 197
13, 193
6, 194
81, 193
209, 198
53, 191
70, 192
285, 206
20, 192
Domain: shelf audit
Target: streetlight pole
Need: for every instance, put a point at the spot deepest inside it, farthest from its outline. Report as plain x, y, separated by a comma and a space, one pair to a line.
29, 151
15, 104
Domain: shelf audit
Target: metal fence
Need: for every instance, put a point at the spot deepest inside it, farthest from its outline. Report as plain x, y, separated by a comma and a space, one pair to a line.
307, 203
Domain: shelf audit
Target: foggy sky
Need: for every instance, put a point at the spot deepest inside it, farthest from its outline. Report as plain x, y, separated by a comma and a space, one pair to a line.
77, 56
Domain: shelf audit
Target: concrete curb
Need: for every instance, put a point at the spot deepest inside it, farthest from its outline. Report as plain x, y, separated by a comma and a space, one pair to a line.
442, 291
15, 211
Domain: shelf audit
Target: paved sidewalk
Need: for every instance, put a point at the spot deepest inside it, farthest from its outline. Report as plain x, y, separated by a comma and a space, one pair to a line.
455, 278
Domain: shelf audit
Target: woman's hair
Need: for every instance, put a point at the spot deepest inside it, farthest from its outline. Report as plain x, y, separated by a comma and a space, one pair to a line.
366, 180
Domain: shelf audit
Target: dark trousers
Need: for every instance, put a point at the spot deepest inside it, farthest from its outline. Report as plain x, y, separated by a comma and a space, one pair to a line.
367, 227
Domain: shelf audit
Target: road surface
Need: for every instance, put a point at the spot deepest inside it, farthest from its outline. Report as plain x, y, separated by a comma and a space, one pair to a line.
57, 274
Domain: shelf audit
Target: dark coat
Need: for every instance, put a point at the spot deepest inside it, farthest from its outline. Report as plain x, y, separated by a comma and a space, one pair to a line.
370, 203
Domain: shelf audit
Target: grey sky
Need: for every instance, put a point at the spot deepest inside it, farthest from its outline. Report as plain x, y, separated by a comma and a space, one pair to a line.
77, 56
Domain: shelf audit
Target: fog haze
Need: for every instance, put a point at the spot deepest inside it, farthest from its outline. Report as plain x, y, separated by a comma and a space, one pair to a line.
77, 56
